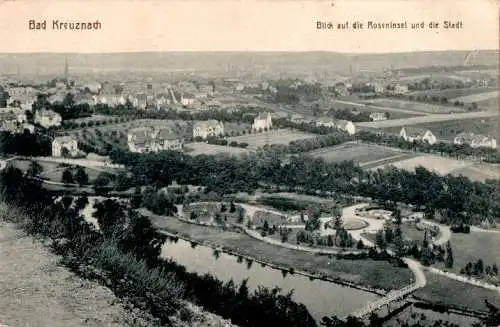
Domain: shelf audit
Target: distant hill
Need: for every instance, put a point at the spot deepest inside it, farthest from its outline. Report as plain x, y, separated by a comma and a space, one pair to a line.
270, 62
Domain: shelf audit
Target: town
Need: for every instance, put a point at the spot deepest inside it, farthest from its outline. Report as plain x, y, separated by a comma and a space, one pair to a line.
369, 183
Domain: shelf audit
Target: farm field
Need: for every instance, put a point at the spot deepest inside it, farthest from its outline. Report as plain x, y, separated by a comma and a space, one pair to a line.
453, 93
393, 114
471, 247
477, 97
361, 154
281, 136
443, 166
199, 148
414, 106
430, 119
447, 130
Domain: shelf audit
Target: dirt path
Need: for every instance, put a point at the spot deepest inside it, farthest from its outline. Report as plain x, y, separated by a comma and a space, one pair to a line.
37, 291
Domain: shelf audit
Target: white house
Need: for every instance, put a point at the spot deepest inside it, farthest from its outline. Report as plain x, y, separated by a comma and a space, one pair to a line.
262, 122
378, 116
326, 122
411, 134
400, 89
187, 99
346, 126
149, 139
64, 142
481, 141
475, 141
47, 118
208, 128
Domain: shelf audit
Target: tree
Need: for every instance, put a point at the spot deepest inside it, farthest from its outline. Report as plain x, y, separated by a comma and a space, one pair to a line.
34, 169
380, 239
360, 245
337, 225
67, 176
110, 216
449, 256
81, 176
232, 207
313, 223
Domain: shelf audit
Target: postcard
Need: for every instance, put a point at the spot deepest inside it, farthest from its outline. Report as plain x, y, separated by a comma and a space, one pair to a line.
249, 163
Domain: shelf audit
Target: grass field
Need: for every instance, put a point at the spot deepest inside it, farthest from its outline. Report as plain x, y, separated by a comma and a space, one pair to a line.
447, 130
206, 211
473, 246
210, 149
53, 171
414, 106
361, 154
281, 136
448, 291
443, 166
367, 272
272, 218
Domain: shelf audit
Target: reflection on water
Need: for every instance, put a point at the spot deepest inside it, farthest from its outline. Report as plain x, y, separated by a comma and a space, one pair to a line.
321, 297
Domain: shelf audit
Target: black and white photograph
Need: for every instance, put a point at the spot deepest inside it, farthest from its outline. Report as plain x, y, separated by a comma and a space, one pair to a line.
249, 163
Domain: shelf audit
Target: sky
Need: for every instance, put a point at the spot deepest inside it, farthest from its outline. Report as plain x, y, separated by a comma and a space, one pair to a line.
247, 25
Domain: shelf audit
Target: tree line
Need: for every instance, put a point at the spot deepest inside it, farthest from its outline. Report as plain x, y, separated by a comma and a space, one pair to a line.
450, 198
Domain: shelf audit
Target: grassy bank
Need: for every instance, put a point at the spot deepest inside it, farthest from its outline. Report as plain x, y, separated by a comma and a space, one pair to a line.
371, 273
440, 289
54, 296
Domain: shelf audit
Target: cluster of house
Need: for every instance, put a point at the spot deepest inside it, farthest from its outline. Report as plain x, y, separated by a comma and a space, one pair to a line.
155, 96
153, 139
475, 140
340, 124
411, 134
14, 120
390, 88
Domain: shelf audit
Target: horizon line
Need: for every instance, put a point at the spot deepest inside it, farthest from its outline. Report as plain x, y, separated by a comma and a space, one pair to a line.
497, 51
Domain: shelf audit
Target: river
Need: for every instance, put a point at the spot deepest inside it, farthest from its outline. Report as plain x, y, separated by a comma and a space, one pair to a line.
320, 297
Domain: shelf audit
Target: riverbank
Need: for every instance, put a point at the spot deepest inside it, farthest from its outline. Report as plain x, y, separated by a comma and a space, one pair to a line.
367, 275
54, 296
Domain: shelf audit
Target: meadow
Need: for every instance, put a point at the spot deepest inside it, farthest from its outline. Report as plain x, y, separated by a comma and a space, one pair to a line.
281, 136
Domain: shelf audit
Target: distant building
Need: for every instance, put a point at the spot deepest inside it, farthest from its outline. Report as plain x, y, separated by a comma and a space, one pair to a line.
475, 140
62, 143
378, 116
341, 89
326, 122
187, 99
47, 118
481, 141
340, 124
262, 122
378, 88
400, 89
149, 139
346, 126
463, 138
208, 128
411, 134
